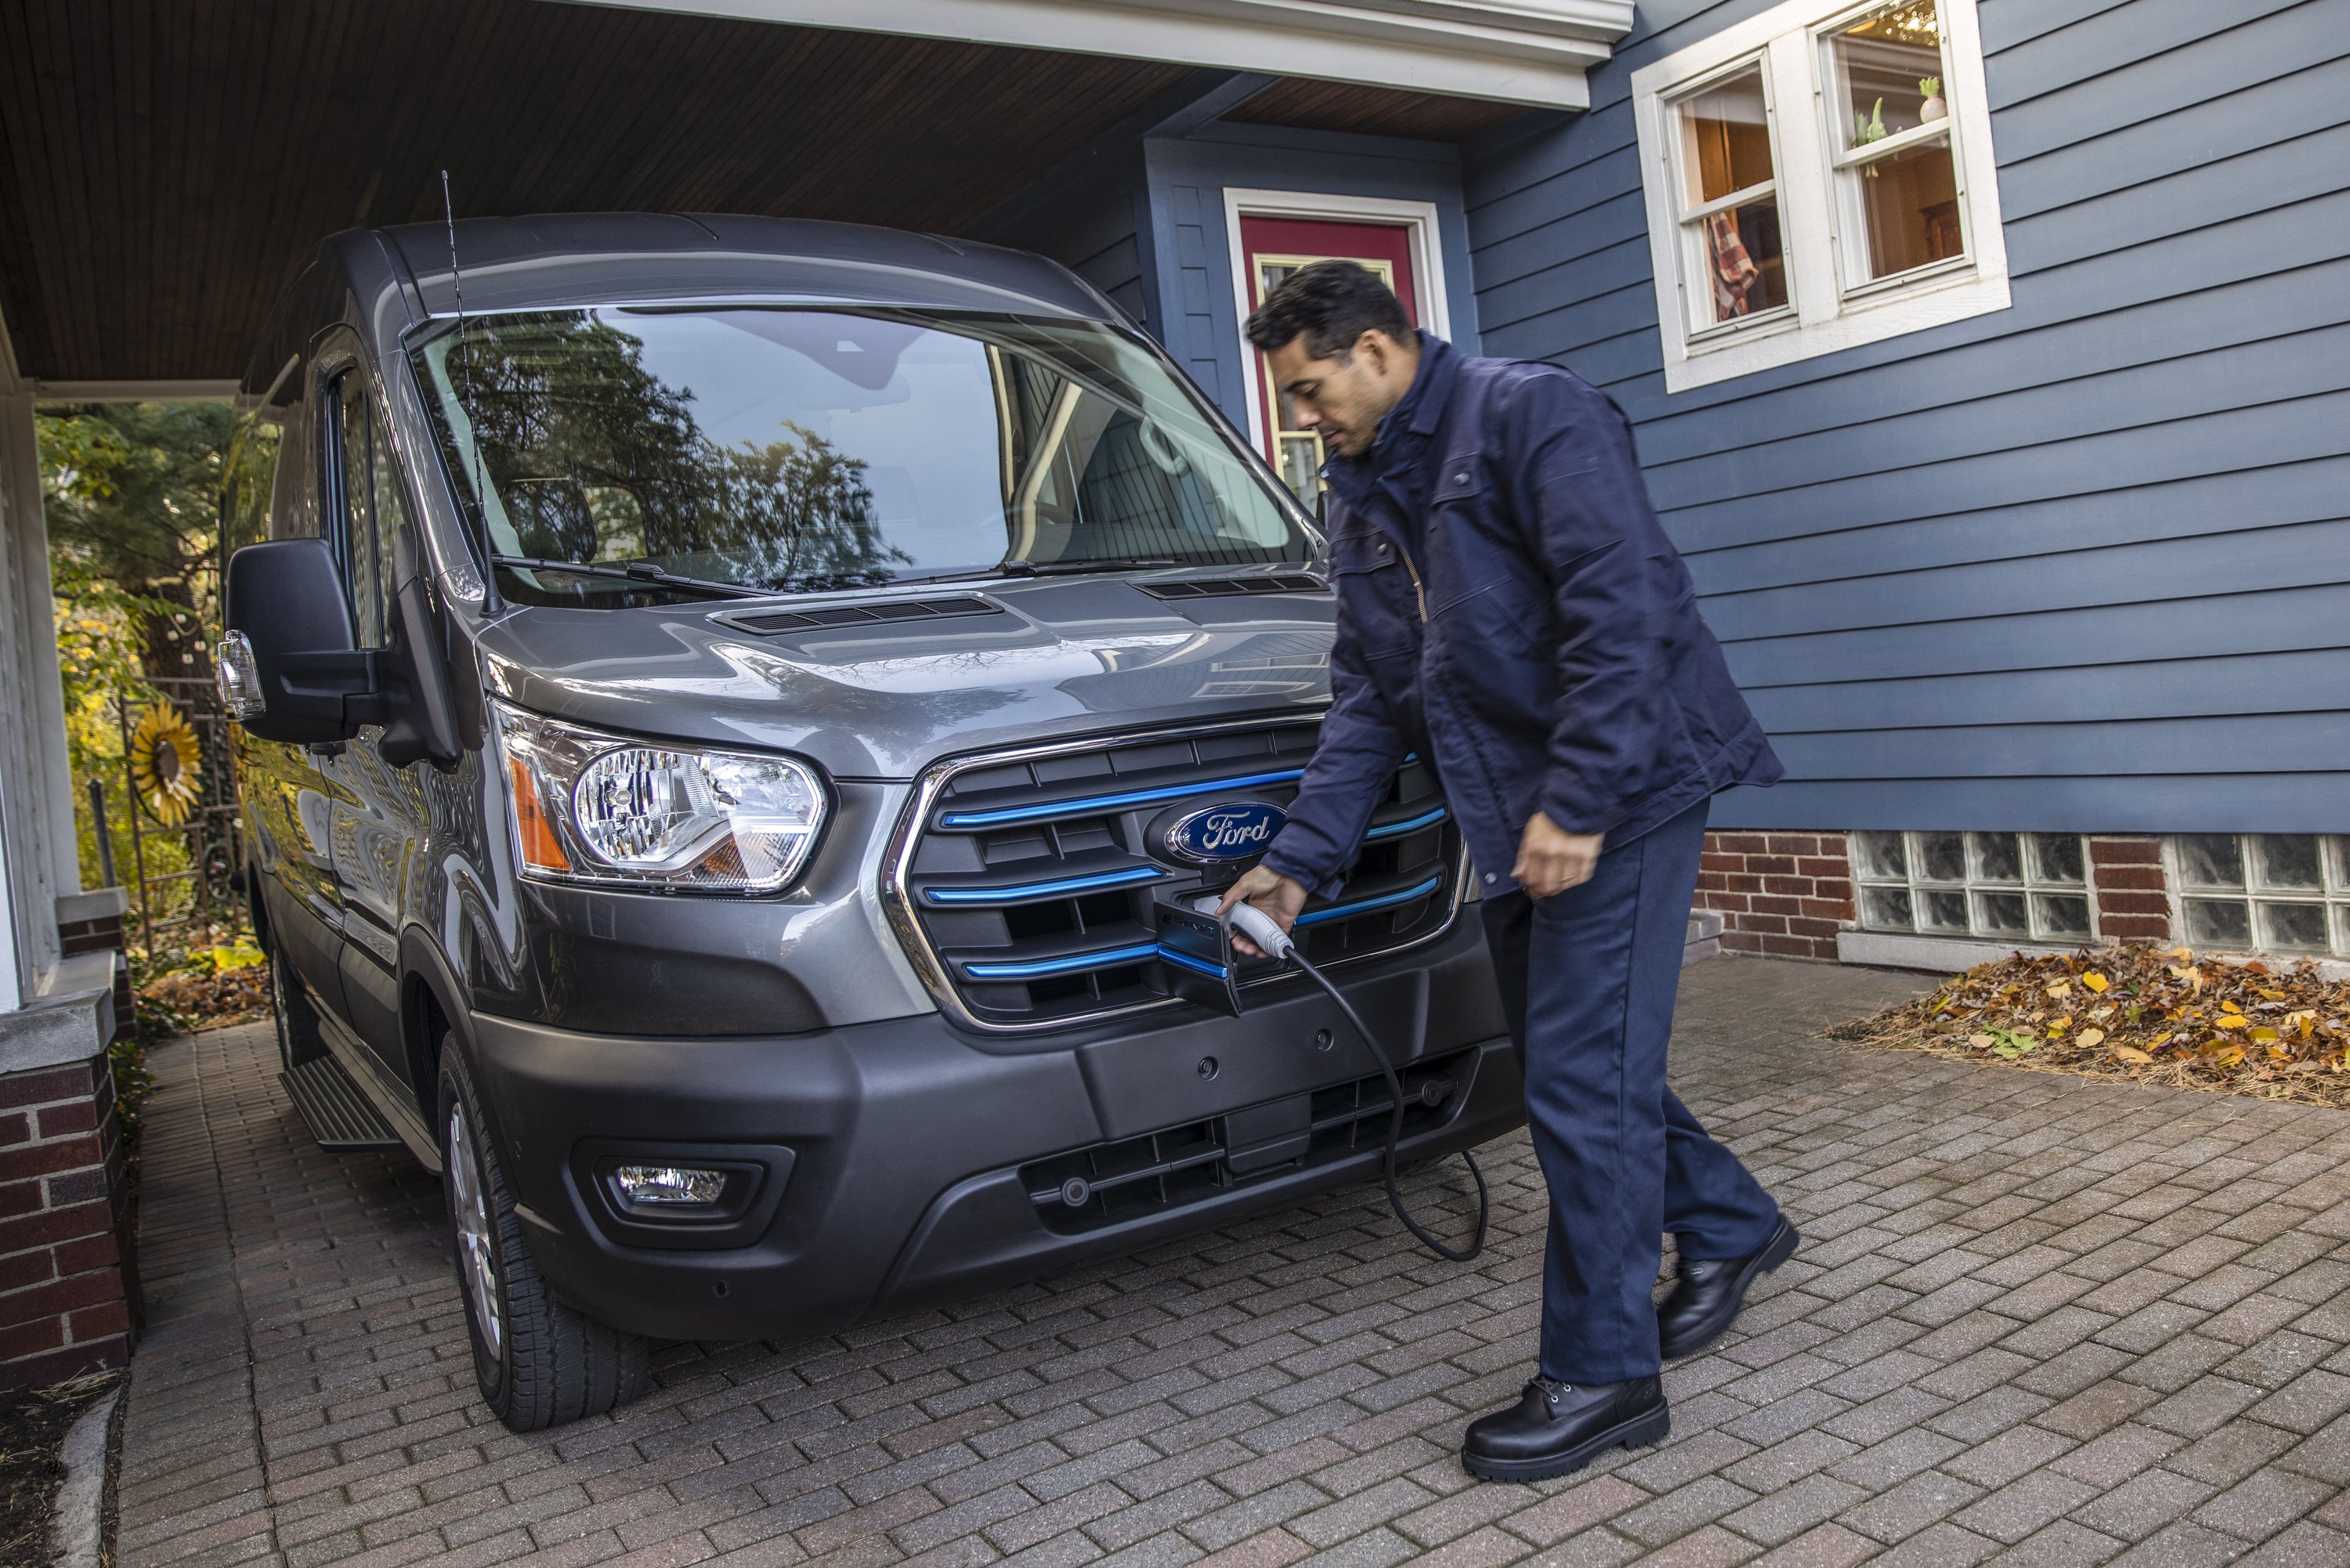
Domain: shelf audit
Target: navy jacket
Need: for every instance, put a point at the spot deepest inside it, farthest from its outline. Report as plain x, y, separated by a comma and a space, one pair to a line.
1530, 630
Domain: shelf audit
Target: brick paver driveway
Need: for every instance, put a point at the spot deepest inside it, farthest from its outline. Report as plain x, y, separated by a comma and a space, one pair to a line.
2037, 1320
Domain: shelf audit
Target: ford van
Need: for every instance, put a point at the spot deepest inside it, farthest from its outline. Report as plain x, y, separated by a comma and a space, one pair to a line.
723, 704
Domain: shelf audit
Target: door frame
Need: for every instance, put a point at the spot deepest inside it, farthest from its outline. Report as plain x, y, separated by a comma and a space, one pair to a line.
1417, 219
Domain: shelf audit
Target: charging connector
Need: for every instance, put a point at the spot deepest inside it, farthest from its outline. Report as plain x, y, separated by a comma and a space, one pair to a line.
1266, 933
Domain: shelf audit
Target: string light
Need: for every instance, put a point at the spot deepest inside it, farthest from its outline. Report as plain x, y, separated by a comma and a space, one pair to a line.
1918, 23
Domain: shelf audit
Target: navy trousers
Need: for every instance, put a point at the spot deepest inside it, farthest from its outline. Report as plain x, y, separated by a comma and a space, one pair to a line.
1587, 981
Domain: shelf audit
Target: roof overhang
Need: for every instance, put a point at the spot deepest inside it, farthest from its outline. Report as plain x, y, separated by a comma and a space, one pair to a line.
1532, 52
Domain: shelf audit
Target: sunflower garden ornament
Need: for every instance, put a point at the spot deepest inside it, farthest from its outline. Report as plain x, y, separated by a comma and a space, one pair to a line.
164, 764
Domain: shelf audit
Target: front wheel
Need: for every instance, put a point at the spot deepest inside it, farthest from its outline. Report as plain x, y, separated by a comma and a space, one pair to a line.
540, 1363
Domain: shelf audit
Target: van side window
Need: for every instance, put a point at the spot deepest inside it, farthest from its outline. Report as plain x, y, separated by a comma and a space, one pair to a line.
364, 499
251, 475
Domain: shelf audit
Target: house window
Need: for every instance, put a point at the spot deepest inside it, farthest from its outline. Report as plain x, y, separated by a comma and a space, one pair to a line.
1818, 177
2010, 886
2265, 892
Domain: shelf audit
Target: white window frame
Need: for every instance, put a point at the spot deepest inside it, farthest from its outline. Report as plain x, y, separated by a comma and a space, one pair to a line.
1789, 42
1422, 244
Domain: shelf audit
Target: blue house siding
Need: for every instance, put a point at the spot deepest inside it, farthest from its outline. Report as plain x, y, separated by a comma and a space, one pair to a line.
2080, 564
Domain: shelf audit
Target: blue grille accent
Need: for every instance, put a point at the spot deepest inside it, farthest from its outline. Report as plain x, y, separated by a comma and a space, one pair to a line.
1196, 965
1364, 906
1037, 968
1090, 804
1132, 876
1398, 829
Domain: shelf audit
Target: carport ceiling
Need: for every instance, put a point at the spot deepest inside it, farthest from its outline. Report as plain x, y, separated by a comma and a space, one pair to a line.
164, 164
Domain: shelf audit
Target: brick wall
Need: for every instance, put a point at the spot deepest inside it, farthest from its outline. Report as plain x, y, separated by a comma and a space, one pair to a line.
2127, 878
69, 1280
1784, 894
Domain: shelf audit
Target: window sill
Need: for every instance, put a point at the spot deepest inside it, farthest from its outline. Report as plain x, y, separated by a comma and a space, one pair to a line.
1942, 955
1935, 300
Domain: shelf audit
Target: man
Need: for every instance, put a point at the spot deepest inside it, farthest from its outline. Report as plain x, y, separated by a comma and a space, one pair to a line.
1509, 609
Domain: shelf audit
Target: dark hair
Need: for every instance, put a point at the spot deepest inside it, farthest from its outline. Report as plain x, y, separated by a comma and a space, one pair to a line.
1333, 303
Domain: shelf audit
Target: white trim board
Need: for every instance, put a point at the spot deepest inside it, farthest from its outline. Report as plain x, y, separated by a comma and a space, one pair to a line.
1532, 52
1422, 241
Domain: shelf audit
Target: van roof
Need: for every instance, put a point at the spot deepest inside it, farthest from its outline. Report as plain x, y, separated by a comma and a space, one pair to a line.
573, 259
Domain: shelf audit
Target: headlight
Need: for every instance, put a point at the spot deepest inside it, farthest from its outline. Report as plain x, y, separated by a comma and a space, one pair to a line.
593, 807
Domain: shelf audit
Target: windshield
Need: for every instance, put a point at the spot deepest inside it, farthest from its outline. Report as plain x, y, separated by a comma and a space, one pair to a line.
798, 449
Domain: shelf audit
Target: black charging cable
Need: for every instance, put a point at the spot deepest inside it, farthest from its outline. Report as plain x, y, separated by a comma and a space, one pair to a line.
1261, 928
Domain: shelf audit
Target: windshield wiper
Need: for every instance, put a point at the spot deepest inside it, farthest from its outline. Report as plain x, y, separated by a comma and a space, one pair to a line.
1017, 568
635, 572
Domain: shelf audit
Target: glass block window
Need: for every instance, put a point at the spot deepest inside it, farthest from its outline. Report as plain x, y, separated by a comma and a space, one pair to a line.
2265, 892
2007, 887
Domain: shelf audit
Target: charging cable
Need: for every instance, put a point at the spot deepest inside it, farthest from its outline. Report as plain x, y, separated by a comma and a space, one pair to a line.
1266, 933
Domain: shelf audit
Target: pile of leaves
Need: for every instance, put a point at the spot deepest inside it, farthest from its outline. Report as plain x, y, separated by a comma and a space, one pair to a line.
205, 986
2151, 1015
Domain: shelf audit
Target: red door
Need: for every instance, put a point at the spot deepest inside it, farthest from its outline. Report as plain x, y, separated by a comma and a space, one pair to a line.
1275, 247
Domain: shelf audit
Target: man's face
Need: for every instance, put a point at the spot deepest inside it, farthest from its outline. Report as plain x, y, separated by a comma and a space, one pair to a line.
1345, 398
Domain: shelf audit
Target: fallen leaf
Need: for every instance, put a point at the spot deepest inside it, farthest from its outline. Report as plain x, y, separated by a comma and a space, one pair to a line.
2227, 1057
2231, 1020
2095, 981
2129, 1054
2265, 1035
2061, 988
2088, 1037
2159, 1040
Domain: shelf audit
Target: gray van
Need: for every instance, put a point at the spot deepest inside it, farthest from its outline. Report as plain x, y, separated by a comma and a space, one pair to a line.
724, 704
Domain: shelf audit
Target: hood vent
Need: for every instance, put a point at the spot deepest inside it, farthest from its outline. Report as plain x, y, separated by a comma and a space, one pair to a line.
1232, 587
888, 612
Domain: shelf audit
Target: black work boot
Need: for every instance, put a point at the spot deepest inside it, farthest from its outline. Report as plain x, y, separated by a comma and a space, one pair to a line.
1557, 1428
1711, 1291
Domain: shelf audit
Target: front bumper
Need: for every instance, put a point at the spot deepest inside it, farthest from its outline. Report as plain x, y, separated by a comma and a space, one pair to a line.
895, 1150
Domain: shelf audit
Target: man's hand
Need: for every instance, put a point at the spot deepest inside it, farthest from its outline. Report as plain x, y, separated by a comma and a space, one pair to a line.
1551, 859
1271, 891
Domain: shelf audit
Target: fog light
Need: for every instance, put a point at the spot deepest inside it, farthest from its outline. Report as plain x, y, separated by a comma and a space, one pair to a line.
670, 1186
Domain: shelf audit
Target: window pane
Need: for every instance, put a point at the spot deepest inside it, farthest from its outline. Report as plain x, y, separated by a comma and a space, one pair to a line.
1884, 65
1943, 857
1909, 210
1726, 136
1943, 912
2056, 858
1880, 856
2210, 860
2002, 915
2293, 928
2288, 860
2215, 923
1997, 858
1885, 908
1744, 262
2062, 915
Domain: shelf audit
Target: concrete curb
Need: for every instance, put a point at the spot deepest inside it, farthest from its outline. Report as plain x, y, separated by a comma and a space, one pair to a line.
75, 1528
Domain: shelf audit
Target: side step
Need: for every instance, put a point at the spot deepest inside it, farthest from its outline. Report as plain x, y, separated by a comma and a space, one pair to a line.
335, 1111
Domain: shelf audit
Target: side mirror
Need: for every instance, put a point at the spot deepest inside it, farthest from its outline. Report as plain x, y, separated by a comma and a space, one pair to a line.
290, 668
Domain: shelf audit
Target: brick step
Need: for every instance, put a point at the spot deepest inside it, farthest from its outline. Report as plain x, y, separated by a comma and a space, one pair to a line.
1704, 938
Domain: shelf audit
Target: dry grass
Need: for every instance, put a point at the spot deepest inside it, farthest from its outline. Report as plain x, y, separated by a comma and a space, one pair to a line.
2146, 1015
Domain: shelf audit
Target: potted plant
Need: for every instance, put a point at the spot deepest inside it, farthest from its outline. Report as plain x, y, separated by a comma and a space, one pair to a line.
1933, 108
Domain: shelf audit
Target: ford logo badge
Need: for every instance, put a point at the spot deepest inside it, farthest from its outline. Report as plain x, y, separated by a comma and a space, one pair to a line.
1232, 832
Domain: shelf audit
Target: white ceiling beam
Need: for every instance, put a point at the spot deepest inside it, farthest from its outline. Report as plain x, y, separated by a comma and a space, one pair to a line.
1532, 52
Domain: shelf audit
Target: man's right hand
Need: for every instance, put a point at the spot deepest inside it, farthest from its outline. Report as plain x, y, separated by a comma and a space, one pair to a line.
1276, 895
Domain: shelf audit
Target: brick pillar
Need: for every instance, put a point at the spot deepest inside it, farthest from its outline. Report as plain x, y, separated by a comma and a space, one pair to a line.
1785, 894
68, 1278
2127, 880
91, 922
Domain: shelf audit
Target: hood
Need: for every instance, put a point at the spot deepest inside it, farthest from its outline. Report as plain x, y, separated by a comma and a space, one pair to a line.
1042, 659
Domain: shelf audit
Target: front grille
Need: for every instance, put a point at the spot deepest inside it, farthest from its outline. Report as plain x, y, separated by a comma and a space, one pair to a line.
1025, 884
1111, 1182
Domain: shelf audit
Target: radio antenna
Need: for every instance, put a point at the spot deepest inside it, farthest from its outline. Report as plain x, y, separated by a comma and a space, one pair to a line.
490, 603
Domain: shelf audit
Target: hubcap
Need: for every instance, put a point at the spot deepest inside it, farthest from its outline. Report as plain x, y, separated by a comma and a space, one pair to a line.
470, 1205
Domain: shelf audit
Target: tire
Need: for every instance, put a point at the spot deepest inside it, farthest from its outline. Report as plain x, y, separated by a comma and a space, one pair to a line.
540, 1363
298, 1040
